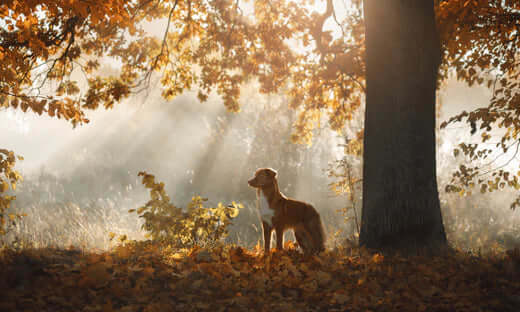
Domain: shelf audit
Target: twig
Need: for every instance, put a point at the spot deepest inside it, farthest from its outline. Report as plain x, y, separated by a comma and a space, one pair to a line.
503, 165
164, 45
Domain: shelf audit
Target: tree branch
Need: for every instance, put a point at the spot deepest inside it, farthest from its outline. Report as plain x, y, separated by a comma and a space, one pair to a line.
317, 30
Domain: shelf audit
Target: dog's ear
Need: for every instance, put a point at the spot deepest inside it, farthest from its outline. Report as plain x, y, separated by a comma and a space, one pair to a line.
272, 172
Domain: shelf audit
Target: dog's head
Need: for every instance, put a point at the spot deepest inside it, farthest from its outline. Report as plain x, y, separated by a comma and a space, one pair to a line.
263, 177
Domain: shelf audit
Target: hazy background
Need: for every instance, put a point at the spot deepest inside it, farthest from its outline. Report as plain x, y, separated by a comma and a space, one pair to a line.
79, 183
195, 148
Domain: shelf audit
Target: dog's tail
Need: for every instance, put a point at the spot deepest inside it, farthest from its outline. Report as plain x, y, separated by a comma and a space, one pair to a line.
320, 234
311, 236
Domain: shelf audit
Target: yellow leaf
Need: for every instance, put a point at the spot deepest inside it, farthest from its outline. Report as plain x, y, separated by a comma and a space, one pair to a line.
4, 187
377, 258
234, 213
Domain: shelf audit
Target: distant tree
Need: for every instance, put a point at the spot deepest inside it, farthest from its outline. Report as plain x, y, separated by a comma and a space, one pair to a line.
257, 137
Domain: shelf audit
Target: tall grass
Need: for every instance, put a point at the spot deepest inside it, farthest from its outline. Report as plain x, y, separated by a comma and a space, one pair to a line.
65, 212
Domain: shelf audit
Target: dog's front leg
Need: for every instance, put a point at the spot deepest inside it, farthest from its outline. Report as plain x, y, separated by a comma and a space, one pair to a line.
267, 236
279, 238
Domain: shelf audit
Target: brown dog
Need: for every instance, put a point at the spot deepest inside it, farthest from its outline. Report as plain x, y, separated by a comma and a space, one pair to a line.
280, 213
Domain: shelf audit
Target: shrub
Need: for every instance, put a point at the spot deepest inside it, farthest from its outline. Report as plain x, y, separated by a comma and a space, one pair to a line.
183, 228
8, 179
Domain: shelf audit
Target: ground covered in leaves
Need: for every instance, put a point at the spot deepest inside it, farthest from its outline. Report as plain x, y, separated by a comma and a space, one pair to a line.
144, 277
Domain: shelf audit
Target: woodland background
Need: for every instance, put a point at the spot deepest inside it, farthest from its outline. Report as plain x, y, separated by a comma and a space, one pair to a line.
128, 131
90, 175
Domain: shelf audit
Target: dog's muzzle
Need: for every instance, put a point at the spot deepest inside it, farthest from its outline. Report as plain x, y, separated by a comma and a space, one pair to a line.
252, 183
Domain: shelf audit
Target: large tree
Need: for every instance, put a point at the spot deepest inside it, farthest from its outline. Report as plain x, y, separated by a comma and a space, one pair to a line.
51, 51
400, 200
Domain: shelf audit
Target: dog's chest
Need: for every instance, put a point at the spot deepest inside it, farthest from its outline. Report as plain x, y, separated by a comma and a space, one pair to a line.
266, 213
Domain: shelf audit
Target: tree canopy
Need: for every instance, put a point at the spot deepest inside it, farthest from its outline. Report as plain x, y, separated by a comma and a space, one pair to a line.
51, 53
480, 42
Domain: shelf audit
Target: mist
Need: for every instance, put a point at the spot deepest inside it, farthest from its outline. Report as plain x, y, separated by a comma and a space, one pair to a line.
79, 183
473, 221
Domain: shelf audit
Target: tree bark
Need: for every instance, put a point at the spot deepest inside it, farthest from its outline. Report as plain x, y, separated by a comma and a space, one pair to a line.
401, 208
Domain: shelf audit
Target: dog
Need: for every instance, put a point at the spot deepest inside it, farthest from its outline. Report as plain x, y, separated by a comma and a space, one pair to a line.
280, 213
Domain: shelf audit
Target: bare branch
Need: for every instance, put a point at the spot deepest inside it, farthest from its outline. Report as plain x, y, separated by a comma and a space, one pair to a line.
503, 165
164, 41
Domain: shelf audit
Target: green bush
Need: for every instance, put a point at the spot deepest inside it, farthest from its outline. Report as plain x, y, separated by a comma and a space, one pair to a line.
8, 179
184, 228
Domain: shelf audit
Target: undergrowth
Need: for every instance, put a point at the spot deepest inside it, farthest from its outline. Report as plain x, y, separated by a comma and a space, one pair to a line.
149, 276
183, 261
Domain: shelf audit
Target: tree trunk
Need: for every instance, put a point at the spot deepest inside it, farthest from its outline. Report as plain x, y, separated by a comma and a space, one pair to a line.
401, 208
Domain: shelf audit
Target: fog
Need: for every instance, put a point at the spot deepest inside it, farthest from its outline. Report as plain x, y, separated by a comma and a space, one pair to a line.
473, 221
79, 183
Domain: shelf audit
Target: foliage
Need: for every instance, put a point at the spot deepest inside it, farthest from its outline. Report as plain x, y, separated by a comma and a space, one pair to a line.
46, 41
208, 45
485, 52
346, 181
8, 179
196, 226
286, 47
144, 277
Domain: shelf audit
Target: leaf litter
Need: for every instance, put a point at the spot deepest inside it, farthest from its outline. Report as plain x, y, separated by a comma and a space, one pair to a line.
147, 277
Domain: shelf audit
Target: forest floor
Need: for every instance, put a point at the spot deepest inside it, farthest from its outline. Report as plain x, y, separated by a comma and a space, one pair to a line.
142, 277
